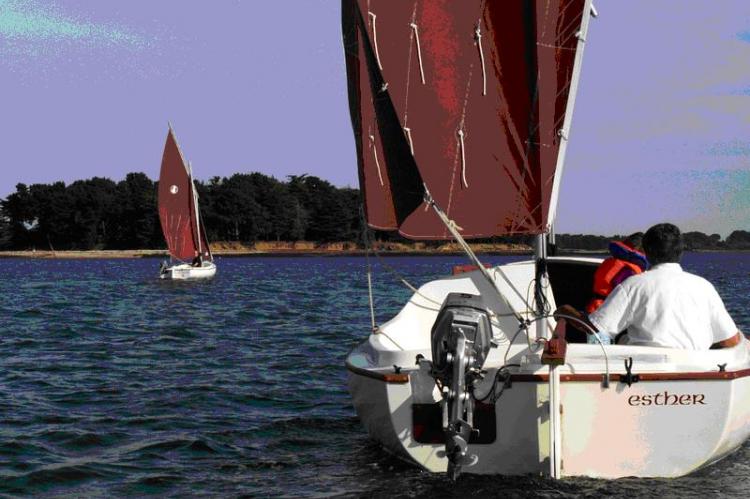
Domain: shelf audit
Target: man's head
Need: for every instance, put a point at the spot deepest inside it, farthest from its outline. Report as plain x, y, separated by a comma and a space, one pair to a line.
634, 240
663, 244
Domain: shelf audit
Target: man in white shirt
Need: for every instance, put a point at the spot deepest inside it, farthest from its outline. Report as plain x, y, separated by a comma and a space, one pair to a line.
664, 306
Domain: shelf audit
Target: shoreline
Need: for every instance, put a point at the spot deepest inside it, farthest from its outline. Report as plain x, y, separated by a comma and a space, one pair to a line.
225, 249
301, 252
133, 254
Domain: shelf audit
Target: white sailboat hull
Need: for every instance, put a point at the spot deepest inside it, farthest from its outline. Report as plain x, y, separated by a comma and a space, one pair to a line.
185, 271
689, 408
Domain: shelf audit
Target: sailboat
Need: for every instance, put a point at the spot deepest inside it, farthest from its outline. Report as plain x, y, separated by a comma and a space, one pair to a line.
461, 114
181, 223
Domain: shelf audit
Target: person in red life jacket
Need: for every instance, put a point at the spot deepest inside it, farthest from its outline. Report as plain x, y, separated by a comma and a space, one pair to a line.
662, 307
626, 260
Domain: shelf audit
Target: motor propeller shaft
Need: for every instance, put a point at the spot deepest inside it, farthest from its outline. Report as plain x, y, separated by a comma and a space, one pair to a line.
461, 340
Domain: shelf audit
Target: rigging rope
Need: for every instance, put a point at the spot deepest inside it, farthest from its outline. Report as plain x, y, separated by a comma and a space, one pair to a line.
375, 38
369, 291
408, 137
366, 238
407, 129
463, 157
451, 225
478, 37
375, 154
419, 50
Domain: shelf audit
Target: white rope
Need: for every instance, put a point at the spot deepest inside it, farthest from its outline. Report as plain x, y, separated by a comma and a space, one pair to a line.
408, 136
369, 248
478, 37
419, 50
381, 333
375, 155
463, 157
452, 228
375, 38
453, 225
407, 130
369, 290
366, 238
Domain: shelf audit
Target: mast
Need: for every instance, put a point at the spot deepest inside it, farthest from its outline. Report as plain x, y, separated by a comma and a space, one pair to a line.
540, 252
195, 207
564, 132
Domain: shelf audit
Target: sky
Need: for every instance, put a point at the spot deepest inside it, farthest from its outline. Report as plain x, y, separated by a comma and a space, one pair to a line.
661, 130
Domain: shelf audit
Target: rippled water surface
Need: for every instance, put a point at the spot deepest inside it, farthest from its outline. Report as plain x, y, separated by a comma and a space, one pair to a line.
115, 383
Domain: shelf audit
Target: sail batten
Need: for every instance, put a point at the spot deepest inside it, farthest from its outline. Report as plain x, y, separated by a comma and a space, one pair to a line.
488, 109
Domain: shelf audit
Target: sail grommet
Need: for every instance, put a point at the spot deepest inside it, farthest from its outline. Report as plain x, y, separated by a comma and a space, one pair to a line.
562, 134
384, 87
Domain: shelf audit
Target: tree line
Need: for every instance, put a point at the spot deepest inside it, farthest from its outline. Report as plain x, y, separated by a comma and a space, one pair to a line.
99, 213
694, 241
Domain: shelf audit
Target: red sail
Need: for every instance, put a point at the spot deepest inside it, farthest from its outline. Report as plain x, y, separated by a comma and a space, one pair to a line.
483, 114
177, 209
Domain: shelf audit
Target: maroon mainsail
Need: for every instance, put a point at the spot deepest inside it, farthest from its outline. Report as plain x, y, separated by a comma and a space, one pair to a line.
466, 98
178, 210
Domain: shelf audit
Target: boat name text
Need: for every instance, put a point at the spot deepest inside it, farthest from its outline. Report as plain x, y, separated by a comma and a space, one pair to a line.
667, 398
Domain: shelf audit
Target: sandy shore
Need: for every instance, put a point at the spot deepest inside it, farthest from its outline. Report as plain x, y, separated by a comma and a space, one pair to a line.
302, 248
84, 254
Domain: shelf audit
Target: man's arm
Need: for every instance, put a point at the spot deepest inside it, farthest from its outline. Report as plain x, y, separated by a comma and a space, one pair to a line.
729, 342
570, 311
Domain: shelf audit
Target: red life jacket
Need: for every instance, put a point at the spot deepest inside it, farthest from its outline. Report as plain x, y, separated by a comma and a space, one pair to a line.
605, 275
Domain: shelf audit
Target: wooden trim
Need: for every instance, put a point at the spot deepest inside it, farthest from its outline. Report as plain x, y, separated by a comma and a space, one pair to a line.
688, 376
398, 378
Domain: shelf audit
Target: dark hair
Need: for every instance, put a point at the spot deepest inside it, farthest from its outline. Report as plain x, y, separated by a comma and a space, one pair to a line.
634, 240
663, 244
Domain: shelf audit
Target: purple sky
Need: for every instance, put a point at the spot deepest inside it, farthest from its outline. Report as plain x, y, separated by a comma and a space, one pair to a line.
661, 129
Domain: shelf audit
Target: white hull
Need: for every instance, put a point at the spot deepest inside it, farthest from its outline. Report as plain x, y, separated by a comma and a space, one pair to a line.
185, 271
684, 413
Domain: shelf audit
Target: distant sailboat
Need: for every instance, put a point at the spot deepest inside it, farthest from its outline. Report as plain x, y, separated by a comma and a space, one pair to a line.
190, 255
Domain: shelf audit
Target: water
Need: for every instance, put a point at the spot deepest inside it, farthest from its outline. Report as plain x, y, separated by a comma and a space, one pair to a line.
115, 383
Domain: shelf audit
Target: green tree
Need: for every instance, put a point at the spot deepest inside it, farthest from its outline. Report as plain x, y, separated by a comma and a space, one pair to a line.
52, 208
134, 220
739, 239
92, 205
234, 209
18, 212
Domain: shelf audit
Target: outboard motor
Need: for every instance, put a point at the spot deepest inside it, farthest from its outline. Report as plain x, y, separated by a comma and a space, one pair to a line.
461, 341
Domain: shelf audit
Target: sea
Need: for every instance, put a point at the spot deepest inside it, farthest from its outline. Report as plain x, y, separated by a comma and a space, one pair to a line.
114, 383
